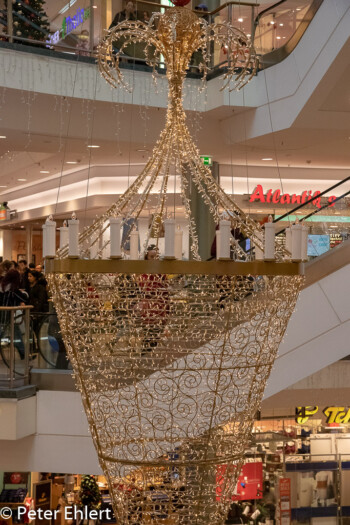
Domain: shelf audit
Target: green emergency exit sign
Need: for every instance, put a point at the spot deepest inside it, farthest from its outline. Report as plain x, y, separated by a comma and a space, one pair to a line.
207, 160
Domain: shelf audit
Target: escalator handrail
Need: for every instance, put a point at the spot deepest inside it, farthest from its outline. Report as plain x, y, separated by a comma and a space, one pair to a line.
277, 55
290, 212
259, 15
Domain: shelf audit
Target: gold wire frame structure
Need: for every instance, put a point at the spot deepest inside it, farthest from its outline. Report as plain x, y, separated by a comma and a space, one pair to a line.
171, 357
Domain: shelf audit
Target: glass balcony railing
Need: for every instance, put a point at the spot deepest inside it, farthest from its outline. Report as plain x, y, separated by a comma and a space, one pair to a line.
29, 340
77, 26
278, 29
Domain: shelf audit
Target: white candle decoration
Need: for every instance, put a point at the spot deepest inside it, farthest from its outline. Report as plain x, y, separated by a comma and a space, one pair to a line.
269, 240
304, 239
115, 238
64, 235
95, 245
296, 241
134, 245
44, 240
218, 243
259, 254
225, 238
289, 242
73, 238
169, 238
50, 237
178, 244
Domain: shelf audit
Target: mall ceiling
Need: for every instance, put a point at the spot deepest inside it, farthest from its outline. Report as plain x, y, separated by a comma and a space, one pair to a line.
44, 133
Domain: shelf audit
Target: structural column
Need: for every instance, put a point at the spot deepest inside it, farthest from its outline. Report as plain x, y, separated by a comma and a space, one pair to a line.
204, 221
29, 243
6, 244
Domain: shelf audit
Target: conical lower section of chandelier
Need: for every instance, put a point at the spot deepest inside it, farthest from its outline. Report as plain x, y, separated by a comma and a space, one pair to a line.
171, 360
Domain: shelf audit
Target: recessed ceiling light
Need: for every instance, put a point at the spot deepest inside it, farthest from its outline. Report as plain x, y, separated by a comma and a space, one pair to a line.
267, 158
3, 186
240, 19
21, 180
44, 171
142, 150
22, 226
72, 162
298, 9
3, 137
281, 25
278, 37
93, 146
94, 7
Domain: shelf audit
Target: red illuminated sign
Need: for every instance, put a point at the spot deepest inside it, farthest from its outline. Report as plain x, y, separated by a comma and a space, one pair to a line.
276, 197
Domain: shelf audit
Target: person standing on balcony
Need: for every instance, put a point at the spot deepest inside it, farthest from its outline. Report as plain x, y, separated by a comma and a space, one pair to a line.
129, 13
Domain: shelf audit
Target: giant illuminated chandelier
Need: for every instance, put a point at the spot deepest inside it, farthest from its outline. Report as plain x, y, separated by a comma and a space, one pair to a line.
171, 356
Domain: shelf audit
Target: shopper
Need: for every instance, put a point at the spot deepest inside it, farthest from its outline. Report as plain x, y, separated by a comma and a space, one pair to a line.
23, 271
128, 13
38, 297
12, 295
153, 303
5, 267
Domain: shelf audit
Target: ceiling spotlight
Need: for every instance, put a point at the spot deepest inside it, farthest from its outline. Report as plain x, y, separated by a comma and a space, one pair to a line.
3, 137
278, 37
3, 186
72, 162
93, 146
267, 158
21, 180
44, 171
240, 19
94, 7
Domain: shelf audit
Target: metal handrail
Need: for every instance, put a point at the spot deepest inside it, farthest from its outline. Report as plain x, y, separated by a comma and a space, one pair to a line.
227, 4
259, 15
220, 8
25, 307
12, 310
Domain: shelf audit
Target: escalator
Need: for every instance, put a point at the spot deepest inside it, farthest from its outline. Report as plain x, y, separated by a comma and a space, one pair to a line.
318, 332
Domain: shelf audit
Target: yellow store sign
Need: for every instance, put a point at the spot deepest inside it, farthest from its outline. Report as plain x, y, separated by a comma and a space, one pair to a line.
333, 414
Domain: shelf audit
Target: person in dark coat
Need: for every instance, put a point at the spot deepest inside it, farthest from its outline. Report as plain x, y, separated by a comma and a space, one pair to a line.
38, 298
23, 271
126, 14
